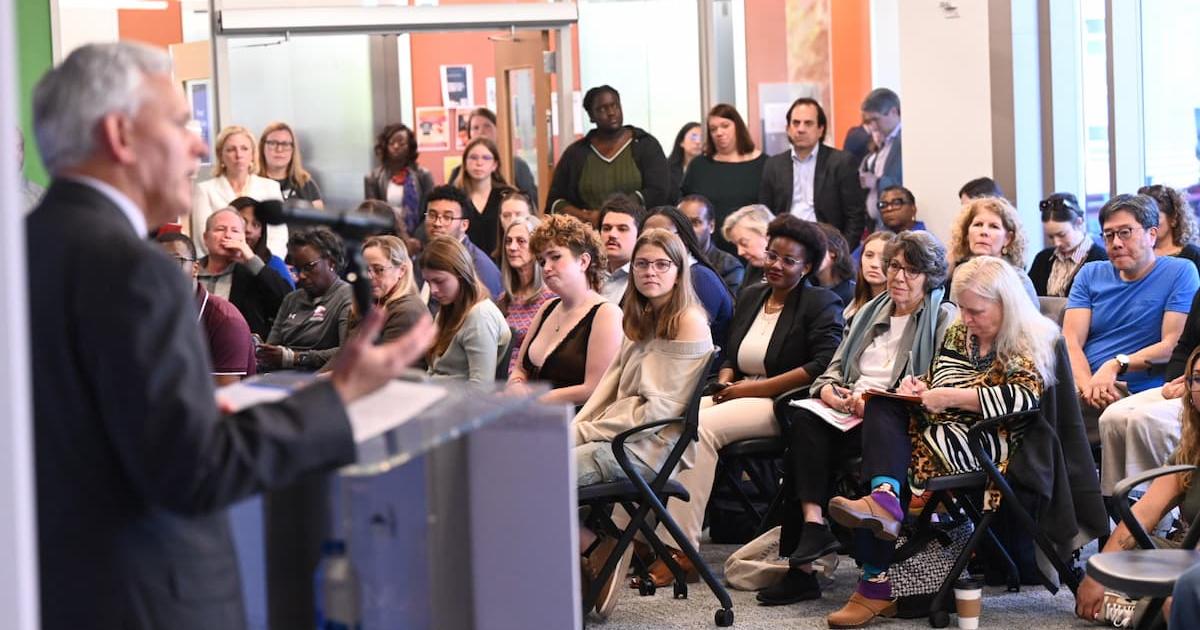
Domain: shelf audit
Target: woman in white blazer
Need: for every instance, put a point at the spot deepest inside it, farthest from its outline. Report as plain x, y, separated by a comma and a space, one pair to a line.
233, 177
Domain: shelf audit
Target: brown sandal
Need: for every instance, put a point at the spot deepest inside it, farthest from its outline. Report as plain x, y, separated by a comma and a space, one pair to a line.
661, 574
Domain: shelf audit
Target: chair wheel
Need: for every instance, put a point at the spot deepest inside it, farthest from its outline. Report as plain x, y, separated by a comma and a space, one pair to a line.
939, 619
680, 590
724, 617
646, 588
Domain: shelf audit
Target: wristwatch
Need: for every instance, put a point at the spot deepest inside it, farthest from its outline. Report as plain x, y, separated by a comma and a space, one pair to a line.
1123, 363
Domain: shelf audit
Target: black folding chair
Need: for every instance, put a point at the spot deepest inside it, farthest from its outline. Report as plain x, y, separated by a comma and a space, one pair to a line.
639, 497
1147, 571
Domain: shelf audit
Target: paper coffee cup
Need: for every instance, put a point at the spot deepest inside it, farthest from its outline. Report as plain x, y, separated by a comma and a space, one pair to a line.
968, 603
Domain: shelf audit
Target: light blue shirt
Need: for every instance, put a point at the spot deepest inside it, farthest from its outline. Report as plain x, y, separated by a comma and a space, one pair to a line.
614, 285
803, 173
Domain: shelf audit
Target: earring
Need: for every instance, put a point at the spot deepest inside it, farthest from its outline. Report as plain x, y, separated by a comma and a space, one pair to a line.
1004, 251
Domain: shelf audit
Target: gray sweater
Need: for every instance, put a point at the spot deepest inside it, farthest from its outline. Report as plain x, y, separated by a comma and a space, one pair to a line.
476, 348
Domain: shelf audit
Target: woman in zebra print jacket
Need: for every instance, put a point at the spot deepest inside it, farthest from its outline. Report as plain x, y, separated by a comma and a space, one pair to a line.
994, 360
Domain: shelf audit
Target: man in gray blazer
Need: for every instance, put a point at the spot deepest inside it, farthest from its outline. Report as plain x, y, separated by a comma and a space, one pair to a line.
883, 168
135, 464
811, 180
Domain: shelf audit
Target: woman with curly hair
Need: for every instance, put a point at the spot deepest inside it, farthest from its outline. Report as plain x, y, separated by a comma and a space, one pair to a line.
989, 226
572, 339
398, 179
1177, 229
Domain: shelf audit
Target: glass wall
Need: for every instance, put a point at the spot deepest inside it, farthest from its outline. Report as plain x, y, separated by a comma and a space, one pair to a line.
1171, 94
1094, 68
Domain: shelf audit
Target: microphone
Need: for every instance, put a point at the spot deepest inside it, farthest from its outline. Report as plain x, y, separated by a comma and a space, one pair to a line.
349, 224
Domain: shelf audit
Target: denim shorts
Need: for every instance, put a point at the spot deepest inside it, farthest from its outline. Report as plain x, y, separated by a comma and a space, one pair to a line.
594, 463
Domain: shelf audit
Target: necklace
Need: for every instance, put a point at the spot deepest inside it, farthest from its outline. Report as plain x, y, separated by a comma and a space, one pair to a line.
771, 307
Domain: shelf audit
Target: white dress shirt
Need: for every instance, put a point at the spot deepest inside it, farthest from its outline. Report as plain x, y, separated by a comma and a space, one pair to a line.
803, 173
216, 193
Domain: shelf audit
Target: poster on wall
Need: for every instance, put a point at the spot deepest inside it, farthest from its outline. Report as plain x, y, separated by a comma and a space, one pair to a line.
433, 129
199, 98
463, 126
457, 87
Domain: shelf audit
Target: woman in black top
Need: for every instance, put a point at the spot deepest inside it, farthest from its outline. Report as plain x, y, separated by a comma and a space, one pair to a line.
689, 145
1177, 230
1054, 268
836, 272
279, 158
481, 180
575, 336
730, 172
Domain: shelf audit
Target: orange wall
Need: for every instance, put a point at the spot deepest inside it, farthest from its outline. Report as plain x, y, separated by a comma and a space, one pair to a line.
161, 28
850, 35
766, 39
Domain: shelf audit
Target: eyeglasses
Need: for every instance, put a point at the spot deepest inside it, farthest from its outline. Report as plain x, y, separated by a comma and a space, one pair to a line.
1124, 234
895, 203
183, 259
788, 261
434, 217
308, 267
660, 265
480, 158
909, 272
378, 270
279, 145
1193, 383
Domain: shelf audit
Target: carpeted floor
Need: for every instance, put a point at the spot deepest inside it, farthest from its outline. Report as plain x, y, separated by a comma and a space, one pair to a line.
1033, 607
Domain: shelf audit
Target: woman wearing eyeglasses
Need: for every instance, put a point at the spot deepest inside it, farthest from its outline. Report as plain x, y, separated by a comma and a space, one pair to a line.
279, 159
906, 322
389, 269
1054, 268
481, 180
783, 335
1177, 229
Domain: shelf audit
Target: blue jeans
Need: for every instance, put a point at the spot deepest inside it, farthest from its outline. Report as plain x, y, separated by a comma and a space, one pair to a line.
1185, 604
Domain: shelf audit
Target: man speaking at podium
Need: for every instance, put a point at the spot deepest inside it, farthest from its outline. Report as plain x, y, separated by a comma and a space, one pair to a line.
135, 463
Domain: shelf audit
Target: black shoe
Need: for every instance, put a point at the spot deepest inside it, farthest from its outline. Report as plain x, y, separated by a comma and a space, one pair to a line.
796, 586
815, 541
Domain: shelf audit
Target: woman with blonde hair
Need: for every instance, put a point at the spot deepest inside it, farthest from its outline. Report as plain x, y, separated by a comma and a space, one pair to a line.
472, 334
480, 178
746, 229
279, 158
521, 276
989, 226
994, 360
233, 176
1177, 229
662, 358
389, 268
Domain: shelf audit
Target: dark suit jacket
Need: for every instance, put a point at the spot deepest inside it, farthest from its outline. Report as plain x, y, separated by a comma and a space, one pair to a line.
134, 463
838, 197
893, 168
807, 334
258, 296
1039, 272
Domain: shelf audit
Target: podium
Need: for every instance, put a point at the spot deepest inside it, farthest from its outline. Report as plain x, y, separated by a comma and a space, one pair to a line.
464, 516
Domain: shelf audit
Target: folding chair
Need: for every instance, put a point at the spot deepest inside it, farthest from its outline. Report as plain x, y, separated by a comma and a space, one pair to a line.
1147, 571
639, 497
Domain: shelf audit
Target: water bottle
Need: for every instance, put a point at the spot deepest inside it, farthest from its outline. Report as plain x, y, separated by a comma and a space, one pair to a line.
337, 592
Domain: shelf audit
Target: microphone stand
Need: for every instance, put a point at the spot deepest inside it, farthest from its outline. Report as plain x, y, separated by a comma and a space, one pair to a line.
356, 275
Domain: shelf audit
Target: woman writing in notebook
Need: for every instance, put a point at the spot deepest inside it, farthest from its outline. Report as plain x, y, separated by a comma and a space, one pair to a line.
893, 335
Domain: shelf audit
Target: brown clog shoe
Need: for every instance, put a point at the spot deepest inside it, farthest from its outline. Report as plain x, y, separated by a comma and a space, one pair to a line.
864, 513
860, 611
661, 574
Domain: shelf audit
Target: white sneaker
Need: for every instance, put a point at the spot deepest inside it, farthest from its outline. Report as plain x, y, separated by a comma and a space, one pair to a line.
1117, 610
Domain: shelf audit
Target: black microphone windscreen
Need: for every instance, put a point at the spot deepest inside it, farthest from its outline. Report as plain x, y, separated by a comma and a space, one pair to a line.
270, 211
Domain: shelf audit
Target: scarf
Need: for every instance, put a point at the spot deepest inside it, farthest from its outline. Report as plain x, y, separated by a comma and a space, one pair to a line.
924, 342
409, 204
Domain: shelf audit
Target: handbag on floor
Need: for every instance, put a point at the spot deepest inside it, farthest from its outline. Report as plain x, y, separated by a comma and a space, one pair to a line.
756, 564
916, 578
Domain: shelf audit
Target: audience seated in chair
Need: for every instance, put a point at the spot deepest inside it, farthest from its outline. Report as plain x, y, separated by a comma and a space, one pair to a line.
1064, 224
995, 360
897, 208
234, 271
699, 212
746, 229
472, 334
619, 218
448, 213
1126, 314
312, 321
784, 334
907, 322
256, 238
1177, 229
836, 272
573, 337
872, 271
524, 289
1163, 495
230, 345
713, 294
393, 289
666, 347
989, 226
232, 177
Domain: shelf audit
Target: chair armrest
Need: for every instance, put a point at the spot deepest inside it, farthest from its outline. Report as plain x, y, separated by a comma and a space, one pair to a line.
619, 440
781, 406
622, 456
793, 394
975, 432
1121, 499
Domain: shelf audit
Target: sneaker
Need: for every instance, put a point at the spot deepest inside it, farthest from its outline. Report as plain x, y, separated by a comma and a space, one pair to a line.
796, 586
1117, 610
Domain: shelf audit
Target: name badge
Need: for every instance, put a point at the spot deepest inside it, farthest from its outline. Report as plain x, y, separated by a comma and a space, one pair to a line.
318, 314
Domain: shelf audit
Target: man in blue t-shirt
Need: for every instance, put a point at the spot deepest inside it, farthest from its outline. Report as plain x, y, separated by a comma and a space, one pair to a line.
1125, 314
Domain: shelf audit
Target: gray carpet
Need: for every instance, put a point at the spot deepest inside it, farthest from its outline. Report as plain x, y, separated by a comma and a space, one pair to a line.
1033, 607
